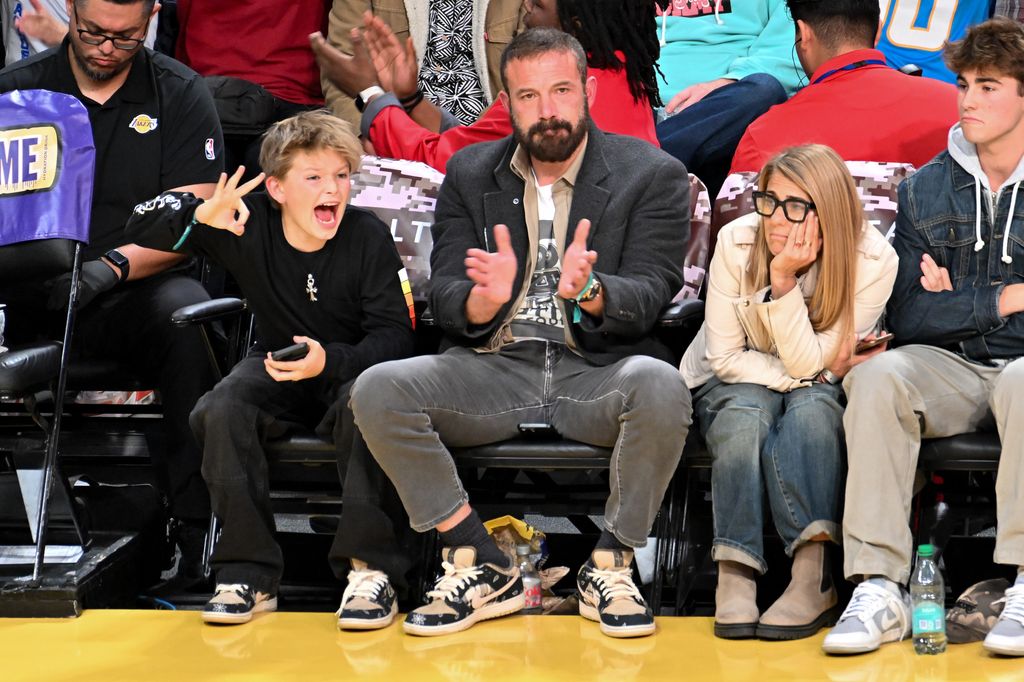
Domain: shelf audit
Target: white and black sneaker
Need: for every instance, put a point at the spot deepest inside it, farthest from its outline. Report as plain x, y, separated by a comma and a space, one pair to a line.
1007, 636
233, 604
878, 612
369, 601
466, 593
609, 596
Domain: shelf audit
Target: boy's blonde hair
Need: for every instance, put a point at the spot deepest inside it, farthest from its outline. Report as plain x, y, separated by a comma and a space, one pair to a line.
819, 172
306, 132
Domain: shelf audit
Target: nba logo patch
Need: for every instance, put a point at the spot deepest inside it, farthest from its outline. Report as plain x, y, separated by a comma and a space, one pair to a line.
210, 155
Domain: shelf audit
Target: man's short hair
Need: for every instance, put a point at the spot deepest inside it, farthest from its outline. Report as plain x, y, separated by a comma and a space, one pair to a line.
839, 22
309, 131
147, 4
537, 41
993, 45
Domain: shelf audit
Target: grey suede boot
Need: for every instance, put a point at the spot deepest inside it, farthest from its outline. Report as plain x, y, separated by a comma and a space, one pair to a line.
808, 604
735, 601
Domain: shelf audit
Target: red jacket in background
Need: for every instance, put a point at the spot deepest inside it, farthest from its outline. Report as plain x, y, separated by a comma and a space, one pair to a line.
867, 112
261, 41
395, 135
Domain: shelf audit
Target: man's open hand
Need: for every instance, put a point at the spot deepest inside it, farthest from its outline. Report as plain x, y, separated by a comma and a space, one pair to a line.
577, 263
493, 274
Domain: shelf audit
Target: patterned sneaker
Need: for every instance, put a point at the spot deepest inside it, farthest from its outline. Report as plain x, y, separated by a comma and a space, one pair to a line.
875, 615
465, 594
235, 604
369, 600
1007, 637
608, 595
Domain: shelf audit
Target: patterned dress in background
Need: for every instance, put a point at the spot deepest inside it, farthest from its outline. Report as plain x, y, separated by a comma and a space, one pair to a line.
1010, 8
448, 74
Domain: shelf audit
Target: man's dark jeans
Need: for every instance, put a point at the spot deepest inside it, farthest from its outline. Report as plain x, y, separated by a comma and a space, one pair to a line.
704, 136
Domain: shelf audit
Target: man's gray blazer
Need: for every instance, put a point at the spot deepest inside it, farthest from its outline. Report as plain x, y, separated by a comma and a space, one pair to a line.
637, 199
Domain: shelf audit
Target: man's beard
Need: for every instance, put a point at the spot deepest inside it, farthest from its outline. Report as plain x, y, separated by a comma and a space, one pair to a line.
98, 76
556, 148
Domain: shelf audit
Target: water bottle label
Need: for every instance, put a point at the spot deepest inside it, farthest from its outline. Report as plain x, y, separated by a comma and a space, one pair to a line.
928, 618
533, 596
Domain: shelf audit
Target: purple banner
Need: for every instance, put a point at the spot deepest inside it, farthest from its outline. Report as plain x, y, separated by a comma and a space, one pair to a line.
47, 160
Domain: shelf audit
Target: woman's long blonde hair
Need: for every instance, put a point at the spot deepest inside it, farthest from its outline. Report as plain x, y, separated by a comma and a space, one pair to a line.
822, 175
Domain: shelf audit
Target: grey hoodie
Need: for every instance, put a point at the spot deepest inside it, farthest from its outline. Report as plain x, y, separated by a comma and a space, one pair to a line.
966, 154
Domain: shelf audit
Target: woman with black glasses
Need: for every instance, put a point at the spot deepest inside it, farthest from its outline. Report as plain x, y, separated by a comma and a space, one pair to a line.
792, 288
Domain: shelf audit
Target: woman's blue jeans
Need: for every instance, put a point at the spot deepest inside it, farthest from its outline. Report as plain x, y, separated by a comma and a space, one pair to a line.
788, 445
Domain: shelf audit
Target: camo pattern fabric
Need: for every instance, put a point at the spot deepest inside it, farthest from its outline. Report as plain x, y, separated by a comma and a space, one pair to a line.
976, 611
877, 183
403, 194
695, 264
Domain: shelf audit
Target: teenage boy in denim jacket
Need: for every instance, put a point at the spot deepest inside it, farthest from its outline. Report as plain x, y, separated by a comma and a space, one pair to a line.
958, 309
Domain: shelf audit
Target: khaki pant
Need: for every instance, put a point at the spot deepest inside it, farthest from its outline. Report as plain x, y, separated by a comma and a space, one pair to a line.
898, 398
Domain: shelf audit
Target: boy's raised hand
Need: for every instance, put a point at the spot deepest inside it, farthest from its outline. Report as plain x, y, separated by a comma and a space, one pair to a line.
219, 211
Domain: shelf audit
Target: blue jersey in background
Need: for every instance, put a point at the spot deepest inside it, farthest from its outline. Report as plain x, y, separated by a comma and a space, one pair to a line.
914, 31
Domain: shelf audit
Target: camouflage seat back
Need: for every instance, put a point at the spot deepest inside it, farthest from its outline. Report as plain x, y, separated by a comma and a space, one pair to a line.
698, 249
403, 194
876, 181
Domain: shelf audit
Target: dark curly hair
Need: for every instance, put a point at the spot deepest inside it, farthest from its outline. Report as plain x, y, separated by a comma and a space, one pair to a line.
629, 26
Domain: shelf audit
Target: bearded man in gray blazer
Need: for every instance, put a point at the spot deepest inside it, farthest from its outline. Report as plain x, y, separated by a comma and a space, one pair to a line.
554, 251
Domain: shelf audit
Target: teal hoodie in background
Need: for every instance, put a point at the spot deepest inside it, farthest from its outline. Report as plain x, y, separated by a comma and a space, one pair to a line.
702, 40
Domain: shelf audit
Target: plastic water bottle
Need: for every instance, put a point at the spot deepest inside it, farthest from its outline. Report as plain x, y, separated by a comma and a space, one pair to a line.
928, 594
531, 580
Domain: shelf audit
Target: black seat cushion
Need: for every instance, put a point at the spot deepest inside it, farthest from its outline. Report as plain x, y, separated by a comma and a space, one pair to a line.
25, 370
978, 451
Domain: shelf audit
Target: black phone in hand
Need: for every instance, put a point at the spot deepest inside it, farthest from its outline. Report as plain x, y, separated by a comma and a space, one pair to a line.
294, 352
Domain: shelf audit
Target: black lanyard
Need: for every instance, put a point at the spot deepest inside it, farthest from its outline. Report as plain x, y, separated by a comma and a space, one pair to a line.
849, 67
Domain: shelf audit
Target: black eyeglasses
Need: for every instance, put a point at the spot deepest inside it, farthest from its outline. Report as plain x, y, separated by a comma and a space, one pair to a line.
794, 209
96, 39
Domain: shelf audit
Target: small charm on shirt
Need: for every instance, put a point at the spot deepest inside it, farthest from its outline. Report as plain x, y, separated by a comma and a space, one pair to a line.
311, 287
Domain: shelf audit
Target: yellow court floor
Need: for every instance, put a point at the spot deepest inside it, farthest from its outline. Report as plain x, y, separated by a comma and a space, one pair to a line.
163, 645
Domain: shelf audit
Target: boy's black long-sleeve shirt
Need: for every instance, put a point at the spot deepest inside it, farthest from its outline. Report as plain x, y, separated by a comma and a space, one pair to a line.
350, 295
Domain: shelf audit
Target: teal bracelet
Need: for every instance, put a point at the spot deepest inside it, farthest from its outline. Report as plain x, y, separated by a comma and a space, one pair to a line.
185, 234
577, 313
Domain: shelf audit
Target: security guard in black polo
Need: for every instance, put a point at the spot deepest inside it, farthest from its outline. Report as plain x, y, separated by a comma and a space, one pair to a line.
155, 129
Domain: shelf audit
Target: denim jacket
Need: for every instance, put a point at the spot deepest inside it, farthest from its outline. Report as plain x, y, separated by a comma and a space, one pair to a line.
939, 211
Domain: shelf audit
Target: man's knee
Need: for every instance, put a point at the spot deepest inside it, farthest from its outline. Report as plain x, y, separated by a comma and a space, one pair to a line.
656, 384
882, 380
211, 410
1008, 394
373, 393
763, 90
177, 292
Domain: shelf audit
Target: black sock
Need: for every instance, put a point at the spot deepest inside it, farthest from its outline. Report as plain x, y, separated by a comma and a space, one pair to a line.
470, 532
609, 541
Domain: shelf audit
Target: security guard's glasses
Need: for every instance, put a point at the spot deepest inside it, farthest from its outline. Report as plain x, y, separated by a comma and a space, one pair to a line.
94, 38
794, 209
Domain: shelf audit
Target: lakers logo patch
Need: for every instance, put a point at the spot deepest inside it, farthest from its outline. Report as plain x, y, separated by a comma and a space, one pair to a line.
143, 123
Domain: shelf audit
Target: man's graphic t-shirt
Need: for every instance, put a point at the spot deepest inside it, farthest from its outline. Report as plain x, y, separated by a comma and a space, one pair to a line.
540, 317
